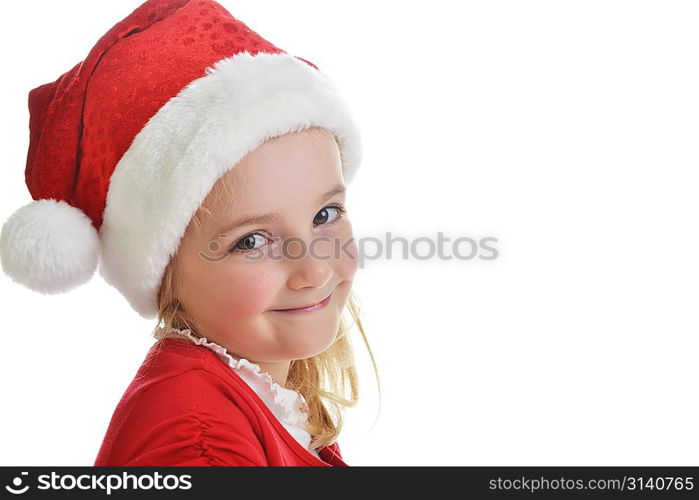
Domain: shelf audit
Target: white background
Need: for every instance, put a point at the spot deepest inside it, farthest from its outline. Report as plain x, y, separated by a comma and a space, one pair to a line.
567, 130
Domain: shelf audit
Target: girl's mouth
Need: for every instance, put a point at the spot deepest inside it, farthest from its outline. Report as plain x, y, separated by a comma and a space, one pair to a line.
302, 310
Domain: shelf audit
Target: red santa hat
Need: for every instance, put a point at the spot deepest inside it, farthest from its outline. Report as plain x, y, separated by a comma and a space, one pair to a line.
126, 145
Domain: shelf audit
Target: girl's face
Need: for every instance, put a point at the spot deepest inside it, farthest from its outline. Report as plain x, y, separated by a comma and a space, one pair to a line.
235, 278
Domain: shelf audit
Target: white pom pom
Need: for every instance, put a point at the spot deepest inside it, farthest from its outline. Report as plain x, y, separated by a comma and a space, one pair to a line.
49, 246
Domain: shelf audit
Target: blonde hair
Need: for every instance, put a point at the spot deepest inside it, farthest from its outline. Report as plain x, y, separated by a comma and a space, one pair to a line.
323, 379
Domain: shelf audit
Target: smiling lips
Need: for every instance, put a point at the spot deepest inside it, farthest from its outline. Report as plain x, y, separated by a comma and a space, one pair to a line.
313, 307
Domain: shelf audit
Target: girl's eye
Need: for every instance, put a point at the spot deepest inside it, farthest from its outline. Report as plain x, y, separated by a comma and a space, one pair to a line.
323, 219
247, 243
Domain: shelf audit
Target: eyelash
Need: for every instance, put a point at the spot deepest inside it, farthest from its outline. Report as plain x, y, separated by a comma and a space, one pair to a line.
340, 210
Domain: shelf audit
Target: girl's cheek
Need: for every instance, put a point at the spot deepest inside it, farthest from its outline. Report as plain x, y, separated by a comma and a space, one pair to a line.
348, 263
248, 290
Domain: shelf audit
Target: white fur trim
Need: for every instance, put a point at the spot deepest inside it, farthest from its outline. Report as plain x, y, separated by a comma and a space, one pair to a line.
195, 138
49, 246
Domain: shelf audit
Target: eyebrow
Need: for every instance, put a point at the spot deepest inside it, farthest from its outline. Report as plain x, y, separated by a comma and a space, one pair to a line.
270, 217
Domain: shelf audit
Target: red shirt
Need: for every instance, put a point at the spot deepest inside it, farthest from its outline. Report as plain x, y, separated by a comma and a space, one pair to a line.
185, 406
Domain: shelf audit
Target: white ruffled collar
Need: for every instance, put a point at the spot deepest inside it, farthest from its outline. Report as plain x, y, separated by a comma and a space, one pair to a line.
288, 406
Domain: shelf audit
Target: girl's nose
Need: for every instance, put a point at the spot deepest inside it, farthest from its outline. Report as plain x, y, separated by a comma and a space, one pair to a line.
310, 268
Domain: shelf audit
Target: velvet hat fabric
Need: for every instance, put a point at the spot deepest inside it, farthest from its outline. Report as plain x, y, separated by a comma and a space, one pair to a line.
126, 145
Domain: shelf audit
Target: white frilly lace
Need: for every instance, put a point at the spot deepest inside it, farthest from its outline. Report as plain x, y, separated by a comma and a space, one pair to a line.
288, 406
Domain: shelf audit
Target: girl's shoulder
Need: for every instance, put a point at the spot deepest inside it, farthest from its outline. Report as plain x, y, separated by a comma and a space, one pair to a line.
193, 371
181, 408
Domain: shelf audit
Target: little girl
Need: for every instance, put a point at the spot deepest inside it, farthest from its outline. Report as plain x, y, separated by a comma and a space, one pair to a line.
205, 170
